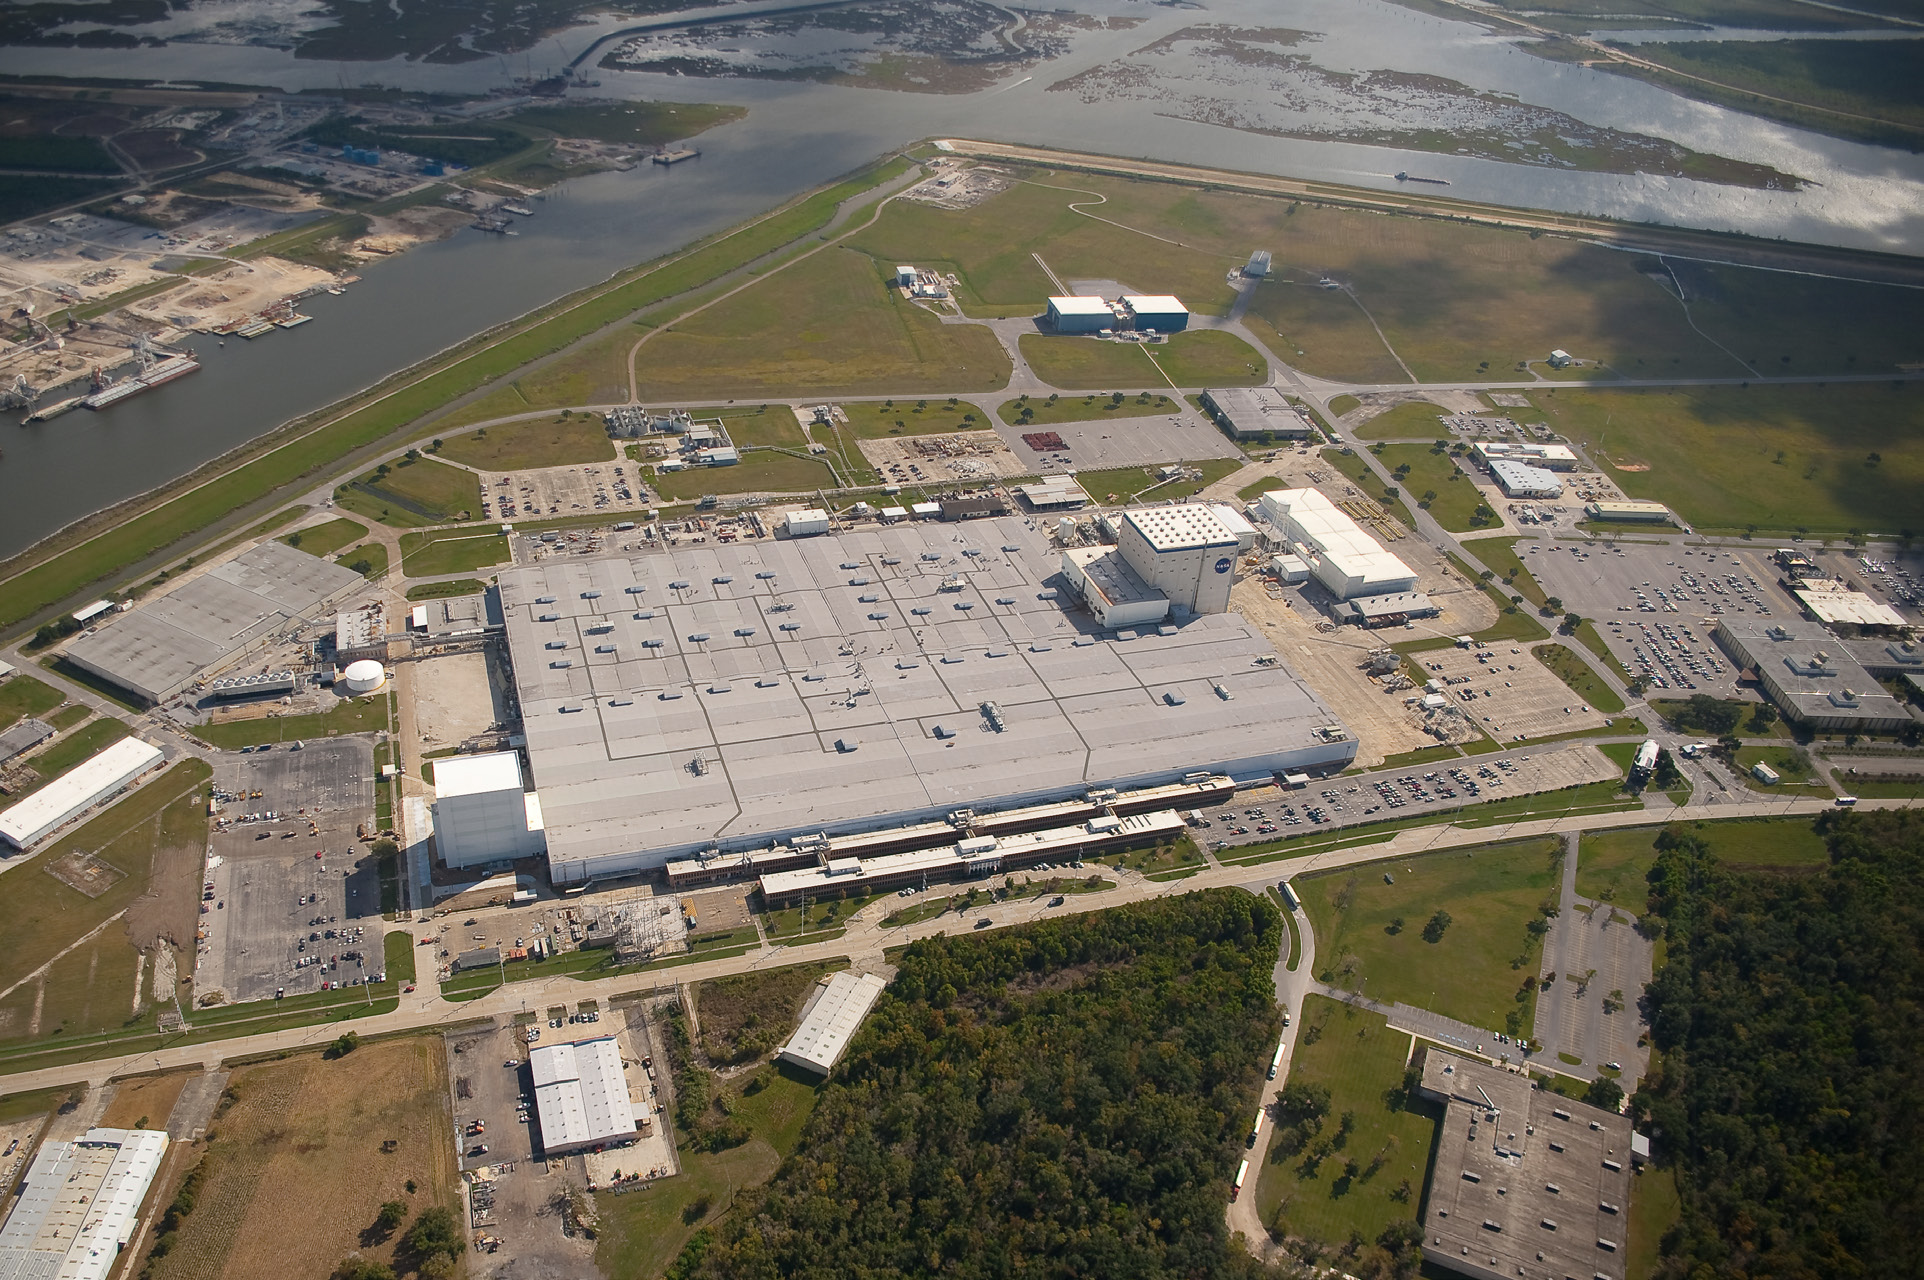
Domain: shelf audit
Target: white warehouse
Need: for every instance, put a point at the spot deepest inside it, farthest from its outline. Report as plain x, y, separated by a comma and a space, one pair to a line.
1342, 557
1165, 558
76, 791
79, 1205
831, 1021
581, 1095
482, 814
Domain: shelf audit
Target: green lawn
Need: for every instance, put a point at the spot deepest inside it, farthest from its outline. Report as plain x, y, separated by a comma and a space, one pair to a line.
1192, 358
1654, 1209
326, 539
1320, 329
1798, 776
1047, 410
349, 715
443, 590
762, 471
1411, 420
429, 555
1611, 865
567, 439
69, 716
1126, 482
370, 559
21, 696
643, 1231
1360, 1061
824, 327
1777, 458
1576, 673
412, 494
772, 423
1490, 892
1880, 789
874, 419
1512, 574
641, 124
1456, 497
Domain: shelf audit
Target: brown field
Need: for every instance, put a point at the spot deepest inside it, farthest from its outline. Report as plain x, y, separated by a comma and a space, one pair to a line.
746, 1016
149, 1098
297, 1174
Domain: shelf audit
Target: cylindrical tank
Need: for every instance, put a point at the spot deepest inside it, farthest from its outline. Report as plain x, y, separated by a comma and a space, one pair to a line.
364, 676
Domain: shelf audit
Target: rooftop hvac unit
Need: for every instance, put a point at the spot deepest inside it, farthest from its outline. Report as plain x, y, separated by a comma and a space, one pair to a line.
993, 714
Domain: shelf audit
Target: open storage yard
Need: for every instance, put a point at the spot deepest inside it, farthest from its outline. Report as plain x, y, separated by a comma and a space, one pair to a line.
302, 1155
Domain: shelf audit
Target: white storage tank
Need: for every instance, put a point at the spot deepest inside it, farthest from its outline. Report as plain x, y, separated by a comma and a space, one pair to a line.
365, 676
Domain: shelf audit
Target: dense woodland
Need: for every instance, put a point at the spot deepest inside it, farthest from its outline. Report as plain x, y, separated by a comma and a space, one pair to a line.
1065, 1099
1790, 1092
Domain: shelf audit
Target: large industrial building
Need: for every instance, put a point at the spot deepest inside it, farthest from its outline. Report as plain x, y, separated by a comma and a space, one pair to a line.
221, 617
79, 1205
831, 1021
581, 1095
1551, 457
1248, 413
1346, 560
482, 813
1177, 560
1161, 312
1521, 480
1080, 315
720, 698
1526, 1182
101, 776
1812, 676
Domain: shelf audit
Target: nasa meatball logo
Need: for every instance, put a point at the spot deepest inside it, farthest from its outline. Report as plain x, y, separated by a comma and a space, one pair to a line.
1224, 565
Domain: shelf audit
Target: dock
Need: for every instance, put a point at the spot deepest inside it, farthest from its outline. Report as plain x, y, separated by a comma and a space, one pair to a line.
676, 156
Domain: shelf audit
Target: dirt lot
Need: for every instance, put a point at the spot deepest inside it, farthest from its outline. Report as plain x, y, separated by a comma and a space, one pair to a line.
145, 1102
297, 1172
961, 455
1511, 694
453, 699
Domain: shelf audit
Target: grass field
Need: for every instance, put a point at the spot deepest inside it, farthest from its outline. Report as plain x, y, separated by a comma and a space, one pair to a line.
1654, 1209
772, 424
1774, 458
1858, 78
643, 1231
746, 1016
1126, 482
21, 696
1352, 465
825, 326
1048, 410
1798, 776
90, 988
875, 419
1360, 1061
370, 559
349, 715
1576, 673
1490, 892
443, 590
563, 440
1193, 358
144, 1102
296, 1171
326, 539
412, 494
68, 751
1611, 865
762, 471
1500, 554
1321, 329
1456, 498
642, 124
429, 555
69, 716
1880, 789
1411, 420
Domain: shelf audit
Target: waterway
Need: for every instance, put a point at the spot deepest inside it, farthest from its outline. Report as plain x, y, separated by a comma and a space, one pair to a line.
798, 135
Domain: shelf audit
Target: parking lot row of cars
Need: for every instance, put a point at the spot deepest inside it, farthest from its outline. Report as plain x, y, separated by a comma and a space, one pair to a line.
1668, 657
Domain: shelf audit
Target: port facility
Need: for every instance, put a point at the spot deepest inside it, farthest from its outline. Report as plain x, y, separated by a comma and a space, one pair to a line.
712, 699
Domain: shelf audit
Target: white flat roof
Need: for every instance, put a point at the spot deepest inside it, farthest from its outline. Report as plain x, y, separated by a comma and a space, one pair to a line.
832, 1020
1079, 306
581, 1094
1156, 302
79, 788
1521, 475
471, 775
1185, 528
1847, 606
79, 1204
1332, 534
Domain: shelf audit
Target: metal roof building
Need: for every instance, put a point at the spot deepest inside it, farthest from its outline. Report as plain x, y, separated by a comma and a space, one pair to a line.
1521, 480
24, 736
1551, 457
1811, 676
76, 791
727, 696
481, 812
1080, 315
223, 615
1829, 600
831, 1021
1245, 412
581, 1095
79, 1205
1342, 557
1630, 512
1162, 312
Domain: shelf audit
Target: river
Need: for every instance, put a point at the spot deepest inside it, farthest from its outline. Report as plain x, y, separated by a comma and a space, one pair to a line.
799, 134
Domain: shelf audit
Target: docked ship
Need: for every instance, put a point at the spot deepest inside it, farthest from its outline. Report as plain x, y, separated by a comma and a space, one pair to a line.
159, 374
1412, 177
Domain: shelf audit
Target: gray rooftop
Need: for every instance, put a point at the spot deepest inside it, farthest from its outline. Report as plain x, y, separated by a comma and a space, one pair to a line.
730, 695
158, 648
1523, 1183
1811, 674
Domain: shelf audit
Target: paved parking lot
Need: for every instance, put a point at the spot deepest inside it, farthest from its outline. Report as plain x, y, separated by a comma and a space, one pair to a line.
1102, 443
561, 491
1595, 956
1659, 595
1380, 795
1508, 692
270, 893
